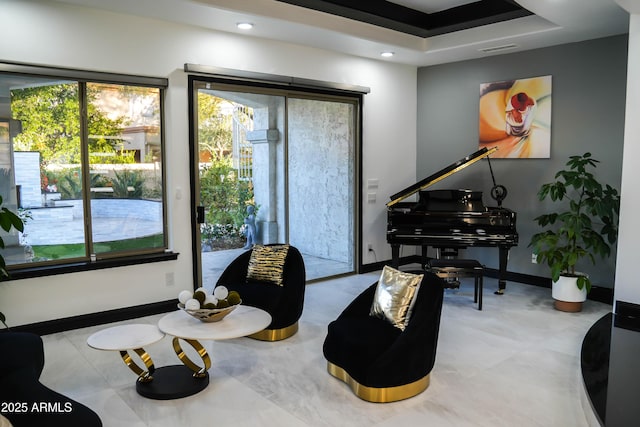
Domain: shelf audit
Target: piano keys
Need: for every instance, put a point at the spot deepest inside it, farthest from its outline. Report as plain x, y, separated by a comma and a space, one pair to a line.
451, 219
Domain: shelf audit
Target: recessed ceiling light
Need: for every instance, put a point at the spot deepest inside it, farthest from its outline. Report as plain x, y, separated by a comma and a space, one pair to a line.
244, 25
387, 54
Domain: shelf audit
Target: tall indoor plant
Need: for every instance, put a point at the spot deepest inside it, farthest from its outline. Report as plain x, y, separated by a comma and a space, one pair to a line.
583, 225
8, 220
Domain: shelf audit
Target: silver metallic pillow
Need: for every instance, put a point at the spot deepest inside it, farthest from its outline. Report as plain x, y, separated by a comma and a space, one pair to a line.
395, 296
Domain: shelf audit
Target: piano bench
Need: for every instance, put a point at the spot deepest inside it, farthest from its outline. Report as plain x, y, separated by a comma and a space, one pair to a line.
455, 268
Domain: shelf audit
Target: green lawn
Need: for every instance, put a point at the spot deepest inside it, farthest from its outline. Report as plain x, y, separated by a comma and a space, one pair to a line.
76, 250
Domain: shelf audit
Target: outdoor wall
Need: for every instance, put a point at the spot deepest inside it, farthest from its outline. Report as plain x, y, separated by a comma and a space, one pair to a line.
27, 172
139, 209
62, 220
588, 109
321, 155
61, 35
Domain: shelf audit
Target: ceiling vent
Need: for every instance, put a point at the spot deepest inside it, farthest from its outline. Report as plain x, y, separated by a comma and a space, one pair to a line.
498, 48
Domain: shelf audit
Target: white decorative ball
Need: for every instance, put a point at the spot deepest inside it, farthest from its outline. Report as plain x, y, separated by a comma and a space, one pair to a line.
192, 304
185, 296
210, 300
221, 292
201, 289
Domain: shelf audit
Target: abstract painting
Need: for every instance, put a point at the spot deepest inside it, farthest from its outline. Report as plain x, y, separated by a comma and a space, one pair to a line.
515, 116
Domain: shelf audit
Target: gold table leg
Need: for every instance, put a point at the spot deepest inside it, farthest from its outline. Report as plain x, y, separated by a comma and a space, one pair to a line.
144, 376
198, 372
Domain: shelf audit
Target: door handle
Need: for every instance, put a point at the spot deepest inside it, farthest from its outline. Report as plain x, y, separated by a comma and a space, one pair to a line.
200, 214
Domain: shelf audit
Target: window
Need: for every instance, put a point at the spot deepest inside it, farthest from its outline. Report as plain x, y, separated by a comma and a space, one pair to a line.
81, 162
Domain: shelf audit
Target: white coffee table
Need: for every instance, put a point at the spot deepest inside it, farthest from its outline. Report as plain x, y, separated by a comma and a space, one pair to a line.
176, 381
125, 338
190, 378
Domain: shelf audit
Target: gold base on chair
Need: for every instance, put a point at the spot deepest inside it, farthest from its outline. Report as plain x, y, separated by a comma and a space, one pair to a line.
275, 334
379, 394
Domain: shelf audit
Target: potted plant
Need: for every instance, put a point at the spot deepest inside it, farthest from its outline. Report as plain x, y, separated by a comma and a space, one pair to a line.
583, 226
8, 220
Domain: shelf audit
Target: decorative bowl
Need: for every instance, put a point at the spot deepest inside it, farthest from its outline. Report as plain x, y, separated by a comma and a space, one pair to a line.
209, 314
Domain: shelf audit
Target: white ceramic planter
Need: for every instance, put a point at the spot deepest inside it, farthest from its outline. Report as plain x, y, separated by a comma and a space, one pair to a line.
566, 289
567, 295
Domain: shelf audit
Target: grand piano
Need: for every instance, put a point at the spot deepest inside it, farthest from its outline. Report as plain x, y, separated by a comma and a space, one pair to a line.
448, 220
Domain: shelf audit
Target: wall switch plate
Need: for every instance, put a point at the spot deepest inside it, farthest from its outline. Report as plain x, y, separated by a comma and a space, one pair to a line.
169, 279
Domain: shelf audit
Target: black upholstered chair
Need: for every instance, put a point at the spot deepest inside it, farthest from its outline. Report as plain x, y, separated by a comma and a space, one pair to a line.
21, 363
380, 362
284, 303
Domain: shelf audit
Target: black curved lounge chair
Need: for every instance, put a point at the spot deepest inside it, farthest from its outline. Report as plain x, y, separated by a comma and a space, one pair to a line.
21, 363
284, 303
380, 362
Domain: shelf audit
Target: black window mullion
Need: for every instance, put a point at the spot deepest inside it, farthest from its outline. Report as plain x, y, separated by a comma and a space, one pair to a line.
163, 164
85, 168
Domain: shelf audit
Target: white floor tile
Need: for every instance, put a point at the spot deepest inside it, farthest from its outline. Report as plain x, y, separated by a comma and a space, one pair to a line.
515, 363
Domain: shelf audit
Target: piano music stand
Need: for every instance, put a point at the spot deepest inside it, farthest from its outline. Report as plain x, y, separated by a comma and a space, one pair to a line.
456, 268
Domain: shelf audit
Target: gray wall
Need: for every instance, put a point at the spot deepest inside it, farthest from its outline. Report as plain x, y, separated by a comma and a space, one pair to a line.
588, 104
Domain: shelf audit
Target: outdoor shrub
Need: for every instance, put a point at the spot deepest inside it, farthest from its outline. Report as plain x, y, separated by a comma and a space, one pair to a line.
49, 180
69, 182
220, 231
224, 196
221, 236
125, 179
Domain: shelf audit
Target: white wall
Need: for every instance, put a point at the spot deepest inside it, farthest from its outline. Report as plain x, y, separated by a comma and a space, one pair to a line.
627, 287
48, 33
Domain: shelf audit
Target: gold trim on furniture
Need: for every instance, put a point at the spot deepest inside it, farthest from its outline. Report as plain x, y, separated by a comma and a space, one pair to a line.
379, 394
144, 376
431, 180
275, 334
198, 372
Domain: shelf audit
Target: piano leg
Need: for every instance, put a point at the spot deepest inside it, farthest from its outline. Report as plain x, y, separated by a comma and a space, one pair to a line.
504, 257
395, 255
424, 258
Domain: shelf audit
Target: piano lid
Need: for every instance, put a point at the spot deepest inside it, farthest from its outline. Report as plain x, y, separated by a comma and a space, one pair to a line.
441, 174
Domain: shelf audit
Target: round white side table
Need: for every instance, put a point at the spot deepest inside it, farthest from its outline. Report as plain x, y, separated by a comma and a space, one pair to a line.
125, 338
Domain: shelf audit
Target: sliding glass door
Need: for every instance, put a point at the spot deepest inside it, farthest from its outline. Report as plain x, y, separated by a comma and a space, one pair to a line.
289, 159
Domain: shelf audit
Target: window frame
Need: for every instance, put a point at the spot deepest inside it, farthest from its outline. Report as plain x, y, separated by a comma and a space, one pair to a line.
289, 87
108, 259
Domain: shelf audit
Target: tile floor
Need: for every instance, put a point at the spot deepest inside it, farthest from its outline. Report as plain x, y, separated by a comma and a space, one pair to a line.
515, 363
